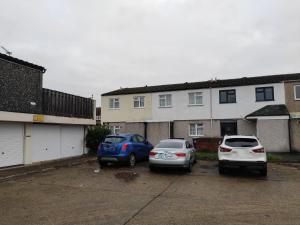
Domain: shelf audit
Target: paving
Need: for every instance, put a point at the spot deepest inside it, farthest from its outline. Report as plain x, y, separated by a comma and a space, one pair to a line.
75, 194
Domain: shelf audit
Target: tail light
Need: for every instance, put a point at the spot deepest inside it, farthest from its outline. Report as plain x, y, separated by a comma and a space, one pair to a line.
223, 149
152, 154
124, 147
181, 154
260, 150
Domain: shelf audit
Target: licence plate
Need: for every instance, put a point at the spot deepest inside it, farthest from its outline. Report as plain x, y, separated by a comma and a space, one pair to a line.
165, 155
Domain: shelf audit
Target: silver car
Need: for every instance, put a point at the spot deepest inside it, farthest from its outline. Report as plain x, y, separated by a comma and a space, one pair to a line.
172, 153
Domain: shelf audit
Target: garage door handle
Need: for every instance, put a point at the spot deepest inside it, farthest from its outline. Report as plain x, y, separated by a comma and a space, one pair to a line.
3, 153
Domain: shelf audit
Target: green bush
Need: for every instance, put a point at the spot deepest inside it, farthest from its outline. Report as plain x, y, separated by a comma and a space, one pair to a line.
95, 135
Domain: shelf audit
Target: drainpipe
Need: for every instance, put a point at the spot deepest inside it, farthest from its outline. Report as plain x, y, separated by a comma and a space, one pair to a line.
145, 130
290, 138
210, 103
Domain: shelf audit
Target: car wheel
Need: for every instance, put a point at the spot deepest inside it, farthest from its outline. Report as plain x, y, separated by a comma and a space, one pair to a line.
152, 168
190, 167
264, 171
221, 170
132, 160
102, 164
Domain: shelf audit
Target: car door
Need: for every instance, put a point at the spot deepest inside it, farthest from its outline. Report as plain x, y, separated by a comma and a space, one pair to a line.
144, 148
137, 147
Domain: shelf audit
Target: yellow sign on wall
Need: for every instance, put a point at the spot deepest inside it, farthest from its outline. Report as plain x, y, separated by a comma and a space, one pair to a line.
38, 118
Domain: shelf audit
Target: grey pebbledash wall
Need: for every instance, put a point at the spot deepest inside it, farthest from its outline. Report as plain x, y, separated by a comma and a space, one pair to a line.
19, 86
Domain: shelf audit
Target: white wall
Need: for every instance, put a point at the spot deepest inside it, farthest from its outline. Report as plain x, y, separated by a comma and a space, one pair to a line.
180, 109
246, 101
245, 97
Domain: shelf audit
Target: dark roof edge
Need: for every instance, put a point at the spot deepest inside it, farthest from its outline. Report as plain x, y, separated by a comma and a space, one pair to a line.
264, 79
21, 62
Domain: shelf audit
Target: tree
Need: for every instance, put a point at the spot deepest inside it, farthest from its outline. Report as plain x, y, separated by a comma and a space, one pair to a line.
95, 135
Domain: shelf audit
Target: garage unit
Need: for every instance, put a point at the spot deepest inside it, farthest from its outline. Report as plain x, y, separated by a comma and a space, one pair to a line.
11, 144
56, 141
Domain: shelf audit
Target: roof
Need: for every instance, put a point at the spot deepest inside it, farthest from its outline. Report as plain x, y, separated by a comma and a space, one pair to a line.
174, 140
21, 62
270, 110
243, 81
238, 136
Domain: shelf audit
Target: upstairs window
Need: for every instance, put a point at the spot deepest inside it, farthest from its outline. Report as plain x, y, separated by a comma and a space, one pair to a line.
297, 92
264, 94
165, 100
114, 103
195, 98
227, 96
196, 129
139, 102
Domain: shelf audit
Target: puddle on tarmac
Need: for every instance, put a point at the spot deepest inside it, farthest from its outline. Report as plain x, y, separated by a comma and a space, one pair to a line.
126, 176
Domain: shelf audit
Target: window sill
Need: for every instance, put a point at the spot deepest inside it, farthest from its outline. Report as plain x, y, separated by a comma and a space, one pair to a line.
164, 106
202, 135
192, 105
266, 100
138, 107
113, 108
227, 102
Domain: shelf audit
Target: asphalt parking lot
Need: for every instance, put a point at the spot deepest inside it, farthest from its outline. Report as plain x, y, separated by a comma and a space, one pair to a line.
120, 195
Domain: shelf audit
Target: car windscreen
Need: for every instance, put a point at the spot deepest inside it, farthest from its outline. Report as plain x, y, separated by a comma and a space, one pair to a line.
166, 144
241, 142
114, 140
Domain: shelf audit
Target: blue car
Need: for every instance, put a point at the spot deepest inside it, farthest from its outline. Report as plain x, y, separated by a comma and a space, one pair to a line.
126, 148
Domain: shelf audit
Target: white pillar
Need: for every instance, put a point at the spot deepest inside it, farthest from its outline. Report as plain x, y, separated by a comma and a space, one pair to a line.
28, 144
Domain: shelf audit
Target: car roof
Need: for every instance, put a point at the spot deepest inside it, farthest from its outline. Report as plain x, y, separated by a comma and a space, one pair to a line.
173, 140
238, 136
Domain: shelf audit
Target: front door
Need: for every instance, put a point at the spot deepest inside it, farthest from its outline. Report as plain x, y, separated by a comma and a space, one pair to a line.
228, 128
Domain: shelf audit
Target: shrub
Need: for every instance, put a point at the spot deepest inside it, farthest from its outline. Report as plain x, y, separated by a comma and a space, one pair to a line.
95, 135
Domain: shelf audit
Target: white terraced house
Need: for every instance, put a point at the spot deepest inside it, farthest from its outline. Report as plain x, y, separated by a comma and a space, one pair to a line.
265, 106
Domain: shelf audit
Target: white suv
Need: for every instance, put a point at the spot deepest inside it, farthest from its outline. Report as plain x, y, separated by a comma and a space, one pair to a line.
242, 151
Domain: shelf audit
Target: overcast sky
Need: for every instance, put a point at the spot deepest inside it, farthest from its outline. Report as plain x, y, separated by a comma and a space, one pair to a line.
95, 46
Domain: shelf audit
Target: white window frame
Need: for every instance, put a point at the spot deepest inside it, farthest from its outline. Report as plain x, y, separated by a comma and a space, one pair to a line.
140, 100
115, 128
164, 96
98, 117
114, 100
195, 94
196, 129
295, 86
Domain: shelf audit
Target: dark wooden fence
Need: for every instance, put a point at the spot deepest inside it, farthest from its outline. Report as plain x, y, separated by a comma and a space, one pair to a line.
61, 104
207, 144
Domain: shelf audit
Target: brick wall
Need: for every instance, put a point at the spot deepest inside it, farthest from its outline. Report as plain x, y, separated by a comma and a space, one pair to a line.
20, 85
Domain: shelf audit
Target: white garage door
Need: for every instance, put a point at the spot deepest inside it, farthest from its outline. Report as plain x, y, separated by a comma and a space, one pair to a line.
72, 140
11, 144
45, 142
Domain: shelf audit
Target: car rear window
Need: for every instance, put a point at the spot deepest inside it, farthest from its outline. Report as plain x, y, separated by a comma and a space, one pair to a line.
170, 145
114, 140
241, 142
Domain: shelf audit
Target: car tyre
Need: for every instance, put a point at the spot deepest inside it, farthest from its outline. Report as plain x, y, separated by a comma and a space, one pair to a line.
221, 170
132, 160
190, 167
152, 168
264, 171
102, 164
